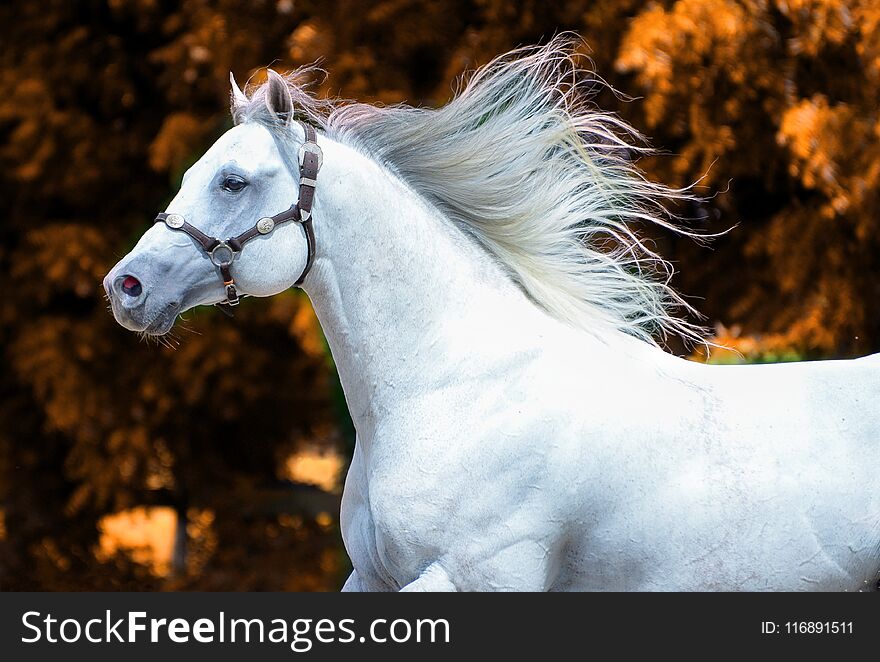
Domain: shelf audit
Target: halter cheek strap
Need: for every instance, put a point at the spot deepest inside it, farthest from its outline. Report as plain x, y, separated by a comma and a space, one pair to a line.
223, 252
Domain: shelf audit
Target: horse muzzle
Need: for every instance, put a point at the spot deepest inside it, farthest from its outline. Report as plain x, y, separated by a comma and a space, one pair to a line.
135, 306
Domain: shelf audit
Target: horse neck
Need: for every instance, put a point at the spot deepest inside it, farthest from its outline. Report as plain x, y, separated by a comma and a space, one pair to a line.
404, 298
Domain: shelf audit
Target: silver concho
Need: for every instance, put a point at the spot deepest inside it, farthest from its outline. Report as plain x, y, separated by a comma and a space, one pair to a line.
174, 221
265, 225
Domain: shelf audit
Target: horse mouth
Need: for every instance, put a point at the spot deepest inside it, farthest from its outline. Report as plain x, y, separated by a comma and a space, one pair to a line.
162, 323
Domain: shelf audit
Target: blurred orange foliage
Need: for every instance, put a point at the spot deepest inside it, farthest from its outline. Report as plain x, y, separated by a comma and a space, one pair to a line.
770, 105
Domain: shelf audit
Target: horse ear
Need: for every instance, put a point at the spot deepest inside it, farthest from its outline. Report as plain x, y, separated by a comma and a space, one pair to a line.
238, 96
278, 99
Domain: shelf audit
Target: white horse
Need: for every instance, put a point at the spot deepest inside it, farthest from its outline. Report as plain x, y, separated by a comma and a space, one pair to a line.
491, 314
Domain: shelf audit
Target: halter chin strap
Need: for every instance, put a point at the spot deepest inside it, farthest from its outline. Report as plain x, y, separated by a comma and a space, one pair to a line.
222, 253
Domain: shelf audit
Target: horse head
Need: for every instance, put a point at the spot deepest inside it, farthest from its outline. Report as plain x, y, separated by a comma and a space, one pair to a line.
235, 190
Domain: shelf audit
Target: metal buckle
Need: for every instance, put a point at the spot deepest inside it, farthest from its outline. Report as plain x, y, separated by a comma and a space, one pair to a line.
232, 298
315, 149
225, 257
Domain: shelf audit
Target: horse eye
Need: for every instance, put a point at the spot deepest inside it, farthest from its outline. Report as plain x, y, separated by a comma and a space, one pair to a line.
233, 183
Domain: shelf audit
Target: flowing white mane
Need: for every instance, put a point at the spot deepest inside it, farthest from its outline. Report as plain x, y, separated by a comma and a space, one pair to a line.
524, 163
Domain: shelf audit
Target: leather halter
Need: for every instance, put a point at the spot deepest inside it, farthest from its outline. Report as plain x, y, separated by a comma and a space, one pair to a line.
222, 253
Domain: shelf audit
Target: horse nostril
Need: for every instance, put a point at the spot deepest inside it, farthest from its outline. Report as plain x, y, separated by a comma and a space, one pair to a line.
132, 286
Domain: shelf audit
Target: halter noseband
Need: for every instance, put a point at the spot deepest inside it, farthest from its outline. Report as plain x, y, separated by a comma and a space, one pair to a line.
222, 253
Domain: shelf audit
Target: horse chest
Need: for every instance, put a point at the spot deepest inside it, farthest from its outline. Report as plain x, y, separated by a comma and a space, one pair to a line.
452, 492
387, 524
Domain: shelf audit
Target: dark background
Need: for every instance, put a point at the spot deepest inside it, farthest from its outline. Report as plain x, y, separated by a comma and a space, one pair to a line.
127, 465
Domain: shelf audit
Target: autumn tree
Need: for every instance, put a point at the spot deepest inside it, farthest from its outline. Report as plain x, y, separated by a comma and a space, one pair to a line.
769, 106
779, 99
104, 104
